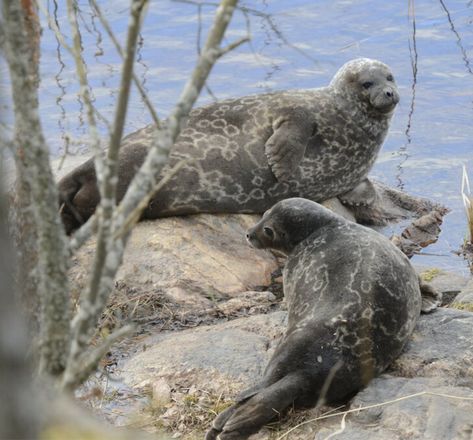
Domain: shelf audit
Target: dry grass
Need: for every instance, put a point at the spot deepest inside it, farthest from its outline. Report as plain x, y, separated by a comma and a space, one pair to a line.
462, 306
188, 413
429, 275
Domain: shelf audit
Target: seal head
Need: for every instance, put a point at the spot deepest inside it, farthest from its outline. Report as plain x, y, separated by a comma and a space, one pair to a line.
369, 83
300, 216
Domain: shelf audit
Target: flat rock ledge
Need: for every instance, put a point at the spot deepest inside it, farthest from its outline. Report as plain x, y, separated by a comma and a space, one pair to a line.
426, 394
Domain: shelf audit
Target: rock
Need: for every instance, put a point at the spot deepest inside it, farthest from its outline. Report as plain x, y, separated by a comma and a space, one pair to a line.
449, 283
464, 300
420, 233
339, 208
192, 261
440, 347
223, 359
234, 351
428, 416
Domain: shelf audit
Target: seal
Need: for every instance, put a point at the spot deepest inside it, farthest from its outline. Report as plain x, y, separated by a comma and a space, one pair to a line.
353, 301
251, 152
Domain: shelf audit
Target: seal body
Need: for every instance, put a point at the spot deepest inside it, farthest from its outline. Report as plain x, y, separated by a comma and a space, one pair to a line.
353, 301
248, 153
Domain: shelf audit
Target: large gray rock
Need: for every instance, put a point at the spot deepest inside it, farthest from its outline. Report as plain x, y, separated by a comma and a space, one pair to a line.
441, 347
235, 351
465, 297
442, 280
429, 416
193, 261
223, 359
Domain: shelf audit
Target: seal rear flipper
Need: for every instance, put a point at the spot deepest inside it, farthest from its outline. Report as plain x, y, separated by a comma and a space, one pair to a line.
286, 147
431, 298
245, 418
364, 194
78, 196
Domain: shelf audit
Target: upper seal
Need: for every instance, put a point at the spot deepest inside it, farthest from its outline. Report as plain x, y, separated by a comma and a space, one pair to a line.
248, 153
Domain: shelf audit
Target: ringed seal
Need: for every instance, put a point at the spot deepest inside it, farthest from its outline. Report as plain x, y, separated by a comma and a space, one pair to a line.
353, 301
251, 152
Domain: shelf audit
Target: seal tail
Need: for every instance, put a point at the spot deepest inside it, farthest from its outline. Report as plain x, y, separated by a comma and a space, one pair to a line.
247, 416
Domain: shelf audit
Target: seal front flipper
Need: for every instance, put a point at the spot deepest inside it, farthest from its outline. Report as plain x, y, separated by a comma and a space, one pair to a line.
292, 128
246, 417
431, 298
364, 194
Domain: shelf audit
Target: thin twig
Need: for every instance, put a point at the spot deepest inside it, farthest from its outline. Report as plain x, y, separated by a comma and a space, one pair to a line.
339, 431
119, 49
81, 236
375, 405
102, 276
87, 362
233, 45
85, 91
135, 215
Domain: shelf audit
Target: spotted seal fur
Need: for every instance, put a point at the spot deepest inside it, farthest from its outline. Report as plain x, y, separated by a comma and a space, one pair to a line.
253, 151
353, 301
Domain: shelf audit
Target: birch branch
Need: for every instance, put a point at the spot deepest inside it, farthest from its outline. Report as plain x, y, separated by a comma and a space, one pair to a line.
119, 49
32, 153
101, 283
145, 179
87, 362
110, 251
135, 215
85, 91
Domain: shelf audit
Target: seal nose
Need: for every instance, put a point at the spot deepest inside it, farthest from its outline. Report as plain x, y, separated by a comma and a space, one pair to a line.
391, 94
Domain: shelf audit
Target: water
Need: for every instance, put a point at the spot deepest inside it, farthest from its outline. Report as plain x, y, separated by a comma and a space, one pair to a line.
296, 44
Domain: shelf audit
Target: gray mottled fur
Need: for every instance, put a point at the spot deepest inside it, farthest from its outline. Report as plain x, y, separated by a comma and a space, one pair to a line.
253, 151
353, 301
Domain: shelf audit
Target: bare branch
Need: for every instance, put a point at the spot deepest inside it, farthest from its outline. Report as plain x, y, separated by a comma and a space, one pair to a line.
114, 230
32, 158
87, 363
119, 49
234, 45
83, 234
85, 90
135, 215
59, 36
101, 281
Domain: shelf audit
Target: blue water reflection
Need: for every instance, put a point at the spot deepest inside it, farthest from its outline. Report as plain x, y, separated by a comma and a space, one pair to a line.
297, 44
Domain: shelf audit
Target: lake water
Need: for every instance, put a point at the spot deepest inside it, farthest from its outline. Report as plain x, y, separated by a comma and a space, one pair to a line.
295, 44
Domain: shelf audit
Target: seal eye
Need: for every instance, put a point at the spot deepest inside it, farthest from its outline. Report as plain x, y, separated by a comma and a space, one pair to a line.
367, 84
390, 78
268, 232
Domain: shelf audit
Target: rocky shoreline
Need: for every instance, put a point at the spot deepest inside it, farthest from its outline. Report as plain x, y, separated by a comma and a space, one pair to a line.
210, 312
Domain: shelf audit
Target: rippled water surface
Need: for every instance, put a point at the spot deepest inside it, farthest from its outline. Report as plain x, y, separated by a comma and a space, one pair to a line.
296, 44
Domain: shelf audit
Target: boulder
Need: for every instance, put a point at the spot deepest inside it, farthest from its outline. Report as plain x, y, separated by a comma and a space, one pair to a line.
417, 408
221, 360
464, 300
189, 263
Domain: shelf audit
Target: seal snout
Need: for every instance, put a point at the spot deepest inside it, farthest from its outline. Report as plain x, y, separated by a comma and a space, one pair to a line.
391, 94
252, 238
